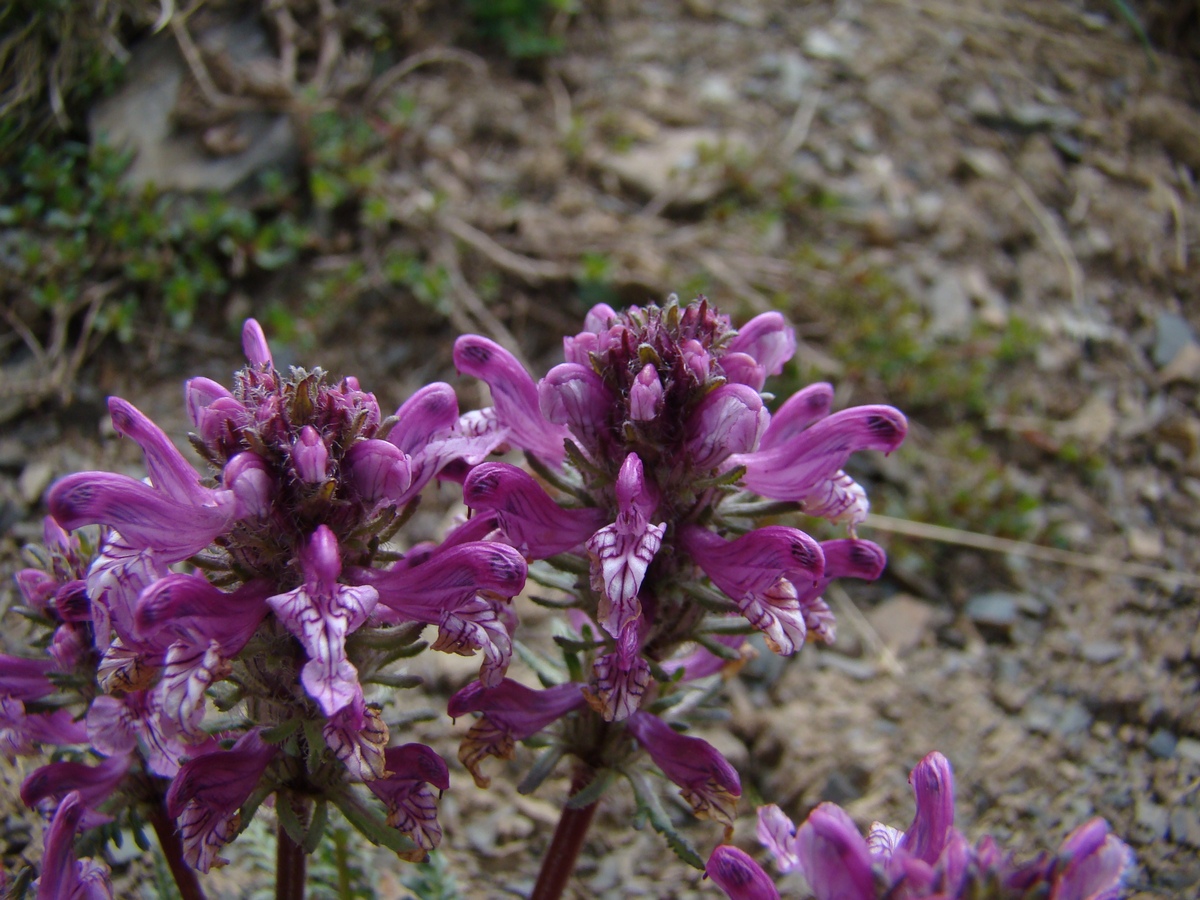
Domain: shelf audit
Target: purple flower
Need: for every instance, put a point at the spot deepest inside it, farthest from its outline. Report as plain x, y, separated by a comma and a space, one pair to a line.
707, 781
45, 787
321, 613
412, 808
357, 735
119, 724
205, 796
455, 588
64, 877
511, 712
739, 876
21, 731
620, 678
25, 679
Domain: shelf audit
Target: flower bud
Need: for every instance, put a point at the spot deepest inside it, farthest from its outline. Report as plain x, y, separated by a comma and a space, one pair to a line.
645, 395
310, 456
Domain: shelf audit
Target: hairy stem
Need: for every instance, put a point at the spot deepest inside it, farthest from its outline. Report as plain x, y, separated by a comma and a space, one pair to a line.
172, 848
569, 834
290, 862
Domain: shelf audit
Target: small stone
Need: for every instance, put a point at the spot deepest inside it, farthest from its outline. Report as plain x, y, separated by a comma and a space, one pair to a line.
984, 163
34, 480
927, 209
1184, 367
1185, 826
997, 610
1039, 116
984, 105
1162, 743
1074, 719
1093, 424
950, 307
820, 44
1145, 543
717, 91
902, 622
1150, 820
1101, 652
1171, 334
1189, 749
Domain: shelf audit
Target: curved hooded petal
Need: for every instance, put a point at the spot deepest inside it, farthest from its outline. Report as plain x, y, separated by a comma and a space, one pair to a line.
768, 339
792, 469
20, 732
933, 783
169, 471
510, 712
413, 769
144, 516
189, 607
445, 580
575, 396
536, 525
514, 396
252, 483
45, 786
739, 876
622, 552
707, 781
1094, 864
777, 833
844, 558
64, 877
119, 723
834, 857
797, 413
759, 571
25, 679
321, 613
727, 421
204, 797
430, 412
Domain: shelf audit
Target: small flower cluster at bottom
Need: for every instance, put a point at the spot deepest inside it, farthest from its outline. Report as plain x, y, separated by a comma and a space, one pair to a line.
930, 861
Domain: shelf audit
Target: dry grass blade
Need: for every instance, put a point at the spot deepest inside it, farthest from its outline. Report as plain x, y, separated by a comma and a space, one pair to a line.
847, 609
1092, 561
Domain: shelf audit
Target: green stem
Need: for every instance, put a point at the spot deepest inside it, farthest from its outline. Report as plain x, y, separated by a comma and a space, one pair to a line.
559, 862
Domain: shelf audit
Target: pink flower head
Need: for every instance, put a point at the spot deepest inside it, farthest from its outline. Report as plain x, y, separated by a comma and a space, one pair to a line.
707, 781
739, 876
64, 877
413, 769
204, 797
510, 712
321, 613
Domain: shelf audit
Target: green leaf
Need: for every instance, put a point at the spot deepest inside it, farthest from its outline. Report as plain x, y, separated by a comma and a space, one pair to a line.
547, 671
316, 828
370, 825
287, 817
541, 769
650, 809
281, 732
593, 791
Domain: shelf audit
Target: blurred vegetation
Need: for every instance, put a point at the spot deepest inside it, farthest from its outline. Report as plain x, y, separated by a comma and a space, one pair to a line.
526, 29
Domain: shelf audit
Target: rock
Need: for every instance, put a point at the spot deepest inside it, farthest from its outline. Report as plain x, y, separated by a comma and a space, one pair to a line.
717, 91
984, 105
1101, 652
1189, 749
1144, 543
684, 164
902, 622
140, 117
996, 612
821, 44
1171, 334
984, 163
1162, 743
1039, 117
34, 480
1185, 826
1184, 367
1093, 424
1150, 820
949, 306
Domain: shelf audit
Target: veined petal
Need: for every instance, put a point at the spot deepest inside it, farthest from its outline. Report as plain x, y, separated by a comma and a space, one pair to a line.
536, 525
646, 395
431, 411
841, 500
115, 581
357, 735
477, 624
45, 786
379, 471
144, 516
791, 469
20, 732
412, 807
446, 579
575, 396
797, 413
834, 857
727, 421
321, 613
619, 678
707, 781
777, 833
189, 670
169, 471
1095, 864
310, 456
204, 797
514, 394
739, 876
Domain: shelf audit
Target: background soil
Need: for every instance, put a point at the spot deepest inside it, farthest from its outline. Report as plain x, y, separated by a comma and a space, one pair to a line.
983, 213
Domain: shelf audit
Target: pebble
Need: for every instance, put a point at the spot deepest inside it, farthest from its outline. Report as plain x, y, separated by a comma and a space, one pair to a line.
902, 622
820, 44
34, 480
1171, 334
1100, 652
1162, 743
1185, 826
1189, 749
1150, 820
1038, 116
949, 306
984, 163
996, 611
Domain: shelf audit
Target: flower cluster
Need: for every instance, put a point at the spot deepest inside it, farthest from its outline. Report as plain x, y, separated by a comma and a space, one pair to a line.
213, 640
930, 860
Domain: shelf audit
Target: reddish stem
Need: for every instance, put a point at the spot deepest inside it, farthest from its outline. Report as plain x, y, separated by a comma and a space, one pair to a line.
569, 834
290, 863
172, 848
